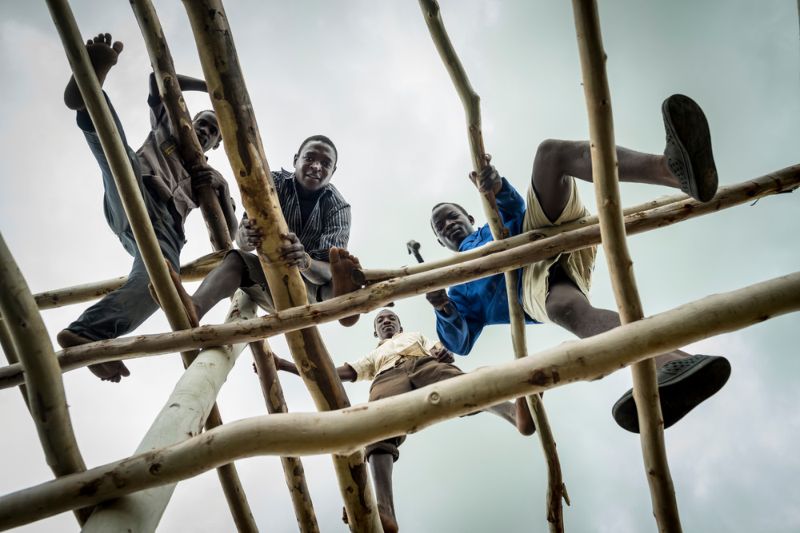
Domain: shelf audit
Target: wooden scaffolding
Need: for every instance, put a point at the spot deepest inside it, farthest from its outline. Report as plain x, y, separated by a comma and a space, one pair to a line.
133, 492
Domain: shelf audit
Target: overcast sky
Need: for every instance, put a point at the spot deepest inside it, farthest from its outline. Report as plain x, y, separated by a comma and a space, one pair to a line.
367, 75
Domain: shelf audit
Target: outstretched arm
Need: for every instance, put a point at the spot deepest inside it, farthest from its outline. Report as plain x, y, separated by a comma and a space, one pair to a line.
345, 372
186, 83
456, 329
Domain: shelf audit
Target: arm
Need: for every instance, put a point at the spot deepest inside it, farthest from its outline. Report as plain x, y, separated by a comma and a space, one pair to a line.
509, 202
345, 372
186, 83
206, 174
457, 330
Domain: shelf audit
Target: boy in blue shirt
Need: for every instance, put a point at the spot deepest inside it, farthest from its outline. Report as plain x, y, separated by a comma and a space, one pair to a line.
556, 289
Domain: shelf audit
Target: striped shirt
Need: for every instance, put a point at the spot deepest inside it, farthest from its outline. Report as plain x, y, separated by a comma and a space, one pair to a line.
329, 222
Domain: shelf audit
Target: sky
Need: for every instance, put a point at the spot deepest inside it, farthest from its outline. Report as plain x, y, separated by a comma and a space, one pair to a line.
367, 75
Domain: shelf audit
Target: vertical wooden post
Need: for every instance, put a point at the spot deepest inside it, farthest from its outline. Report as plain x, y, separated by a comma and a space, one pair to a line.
471, 101
612, 229
245, 151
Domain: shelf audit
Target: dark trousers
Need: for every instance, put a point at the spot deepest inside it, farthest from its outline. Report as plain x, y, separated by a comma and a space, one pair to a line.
126, 308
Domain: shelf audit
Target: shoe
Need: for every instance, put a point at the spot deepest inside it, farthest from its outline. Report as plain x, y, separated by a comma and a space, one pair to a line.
688, 149
683, 384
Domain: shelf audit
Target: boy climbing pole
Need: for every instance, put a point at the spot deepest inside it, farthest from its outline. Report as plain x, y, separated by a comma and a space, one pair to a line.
319, 221
402, 362
167, 188
556, 289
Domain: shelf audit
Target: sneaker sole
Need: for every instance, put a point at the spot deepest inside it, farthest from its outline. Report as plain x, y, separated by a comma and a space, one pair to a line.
679, 394
687, 125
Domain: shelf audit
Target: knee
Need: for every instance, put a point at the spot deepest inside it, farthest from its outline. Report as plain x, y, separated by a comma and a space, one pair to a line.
550, 152
563, 309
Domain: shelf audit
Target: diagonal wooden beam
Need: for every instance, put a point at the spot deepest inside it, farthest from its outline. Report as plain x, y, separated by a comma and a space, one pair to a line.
471, 267
314, 433
246, 154
620, 265
293, 470
25, 337
556, 489
192, 155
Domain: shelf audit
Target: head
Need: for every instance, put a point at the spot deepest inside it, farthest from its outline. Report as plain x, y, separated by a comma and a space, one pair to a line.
207, 129
387, 324
315, 163
452, 224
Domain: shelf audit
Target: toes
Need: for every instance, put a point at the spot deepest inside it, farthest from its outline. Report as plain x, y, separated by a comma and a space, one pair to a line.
117, 47
333, 254
89, 42
107, 38
124, 372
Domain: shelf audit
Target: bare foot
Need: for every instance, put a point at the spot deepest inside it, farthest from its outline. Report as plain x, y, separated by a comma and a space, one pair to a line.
103, 56
523, 417
186, 300
342, 266
112, 371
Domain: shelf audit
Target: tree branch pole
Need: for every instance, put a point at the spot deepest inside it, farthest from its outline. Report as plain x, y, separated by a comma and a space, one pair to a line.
188, 146
184, 413
471, 102
293, 469
7, 344
27, 340
379, 294
620, 265
192, 155
340, 431
193, 271
246, 154
124, 177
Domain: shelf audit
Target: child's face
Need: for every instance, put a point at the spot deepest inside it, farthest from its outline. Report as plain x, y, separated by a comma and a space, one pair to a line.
314, 165
451, 225
387, 324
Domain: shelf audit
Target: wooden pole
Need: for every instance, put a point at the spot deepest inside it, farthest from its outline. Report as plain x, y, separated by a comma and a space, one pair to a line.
183, 414
127, 185
247, 157
340, 431
192, 155
188, 146
25, 337
379, 294
292, 466
620, 265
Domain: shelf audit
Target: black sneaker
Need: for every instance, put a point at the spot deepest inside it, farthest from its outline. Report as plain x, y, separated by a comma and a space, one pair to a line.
683, 384
688, 149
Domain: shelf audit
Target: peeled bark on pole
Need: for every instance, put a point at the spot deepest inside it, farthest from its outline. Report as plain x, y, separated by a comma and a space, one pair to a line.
620, 265
315, 433
246, 154
471, 101
193, 271
292, 466
28, 340
192, 155
379, 294
184, 413
188, 146
124, 177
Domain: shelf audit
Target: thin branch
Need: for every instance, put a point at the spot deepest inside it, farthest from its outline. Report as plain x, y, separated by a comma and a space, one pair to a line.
341, 431
620, 265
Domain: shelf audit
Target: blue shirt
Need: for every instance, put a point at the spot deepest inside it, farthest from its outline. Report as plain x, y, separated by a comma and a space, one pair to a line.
481, 302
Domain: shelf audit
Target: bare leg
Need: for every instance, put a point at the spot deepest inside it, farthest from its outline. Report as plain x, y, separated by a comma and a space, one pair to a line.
557, 160
103, 56
568, 307
516, 414
381, 465
342, 266
220, 283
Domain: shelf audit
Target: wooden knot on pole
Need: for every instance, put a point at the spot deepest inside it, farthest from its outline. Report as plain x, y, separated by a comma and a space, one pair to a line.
434, 398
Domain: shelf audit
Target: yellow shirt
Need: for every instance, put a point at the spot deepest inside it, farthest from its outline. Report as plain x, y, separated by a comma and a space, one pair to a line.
390, 351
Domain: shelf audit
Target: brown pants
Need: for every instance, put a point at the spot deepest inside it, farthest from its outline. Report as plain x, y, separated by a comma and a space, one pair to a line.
410, 374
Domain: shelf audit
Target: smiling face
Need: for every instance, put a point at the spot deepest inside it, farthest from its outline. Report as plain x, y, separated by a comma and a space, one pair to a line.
207, 130
451, 225
387, 325
314, 165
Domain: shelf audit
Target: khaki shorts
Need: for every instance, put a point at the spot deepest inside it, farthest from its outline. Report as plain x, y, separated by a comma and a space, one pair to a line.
577, 265
409, 374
